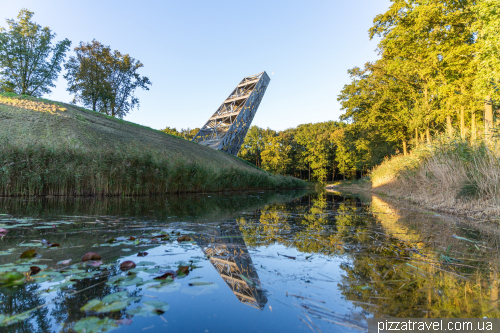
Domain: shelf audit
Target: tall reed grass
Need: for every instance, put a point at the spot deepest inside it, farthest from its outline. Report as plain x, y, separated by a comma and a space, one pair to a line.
50, 148
451, 175
45, 170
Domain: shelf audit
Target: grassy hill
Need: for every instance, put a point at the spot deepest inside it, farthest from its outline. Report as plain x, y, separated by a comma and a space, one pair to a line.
51, 148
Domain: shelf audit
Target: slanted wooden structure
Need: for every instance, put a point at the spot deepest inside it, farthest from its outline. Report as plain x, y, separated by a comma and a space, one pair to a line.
228, 126
230, 257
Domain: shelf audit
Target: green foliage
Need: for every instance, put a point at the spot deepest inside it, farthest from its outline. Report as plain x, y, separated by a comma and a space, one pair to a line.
187, 134
29, 63
104, 80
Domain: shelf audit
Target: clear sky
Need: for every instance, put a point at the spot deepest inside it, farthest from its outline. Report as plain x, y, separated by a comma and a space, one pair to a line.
196, 52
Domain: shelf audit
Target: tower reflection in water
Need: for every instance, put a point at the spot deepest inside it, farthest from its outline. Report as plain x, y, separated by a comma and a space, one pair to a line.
228, 253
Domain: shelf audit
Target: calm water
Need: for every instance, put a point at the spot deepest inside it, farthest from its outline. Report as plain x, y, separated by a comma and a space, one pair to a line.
253, 262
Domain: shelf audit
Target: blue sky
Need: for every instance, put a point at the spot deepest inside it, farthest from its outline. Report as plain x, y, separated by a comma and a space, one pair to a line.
196, 52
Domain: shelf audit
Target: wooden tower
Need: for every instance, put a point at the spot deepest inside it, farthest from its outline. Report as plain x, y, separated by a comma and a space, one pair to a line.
228, 126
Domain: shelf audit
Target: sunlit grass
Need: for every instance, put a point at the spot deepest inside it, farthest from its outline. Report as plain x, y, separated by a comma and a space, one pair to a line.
452, 174
81, 152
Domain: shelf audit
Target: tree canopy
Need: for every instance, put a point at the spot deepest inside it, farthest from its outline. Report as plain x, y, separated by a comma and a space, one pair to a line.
29, 62
104, 80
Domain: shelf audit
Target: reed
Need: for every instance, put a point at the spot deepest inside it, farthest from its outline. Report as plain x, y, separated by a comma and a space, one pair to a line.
61, 149
451, 175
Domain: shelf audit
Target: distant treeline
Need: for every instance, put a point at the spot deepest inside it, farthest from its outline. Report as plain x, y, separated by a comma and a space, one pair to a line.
322, 151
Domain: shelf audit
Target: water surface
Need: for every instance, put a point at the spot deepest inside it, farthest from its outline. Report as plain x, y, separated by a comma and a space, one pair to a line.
252, 262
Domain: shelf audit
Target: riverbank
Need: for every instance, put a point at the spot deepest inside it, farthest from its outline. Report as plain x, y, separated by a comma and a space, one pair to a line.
52, 148
454, 177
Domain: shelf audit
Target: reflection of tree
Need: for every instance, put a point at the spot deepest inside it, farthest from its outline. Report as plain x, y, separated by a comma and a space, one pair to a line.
419, 284
305, 224
393, 271
19, 300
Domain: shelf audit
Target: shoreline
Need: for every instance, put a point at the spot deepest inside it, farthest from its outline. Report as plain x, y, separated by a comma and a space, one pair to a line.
462, 208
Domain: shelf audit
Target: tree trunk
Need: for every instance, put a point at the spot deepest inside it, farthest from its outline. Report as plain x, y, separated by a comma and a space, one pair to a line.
449, 126
428, 135
473, 126
405, 151
309, 171
416, 137
462, 122
494, 287
488, 118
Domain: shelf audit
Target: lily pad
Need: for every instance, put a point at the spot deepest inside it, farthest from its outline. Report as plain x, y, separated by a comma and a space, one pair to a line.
95, 325
92, 305
165, 287
146, 263
28, 254
10, 279
149, 309
115, 296
113, 307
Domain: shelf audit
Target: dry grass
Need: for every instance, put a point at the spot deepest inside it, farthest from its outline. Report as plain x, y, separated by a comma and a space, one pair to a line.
452, 176
50, 148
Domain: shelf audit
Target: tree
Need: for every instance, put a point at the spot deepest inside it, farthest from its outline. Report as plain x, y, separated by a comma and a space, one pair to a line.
104, 80
187, 134
275, 156
487, 58
29, 63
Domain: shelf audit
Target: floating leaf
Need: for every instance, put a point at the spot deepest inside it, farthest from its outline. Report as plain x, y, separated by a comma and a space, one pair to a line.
3, 232
65, 284
91, 305
126, 265
167, 286
167, 274
200, 288
150, 308
184, 238
126, 281
192, 284
94, 263
35, 270
146, 263
91, 256
9, 251
31, 244
113, 307
115, 297
126, 250
54, 245
125, 321
10, 279
64, 262
182, 271
95, 325
28, 254
142, 254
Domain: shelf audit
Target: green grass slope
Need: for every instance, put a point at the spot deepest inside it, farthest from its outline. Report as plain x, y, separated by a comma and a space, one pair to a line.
51, 148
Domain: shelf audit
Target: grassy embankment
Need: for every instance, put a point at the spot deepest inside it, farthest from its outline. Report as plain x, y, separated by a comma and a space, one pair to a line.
452, 176
51, 148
